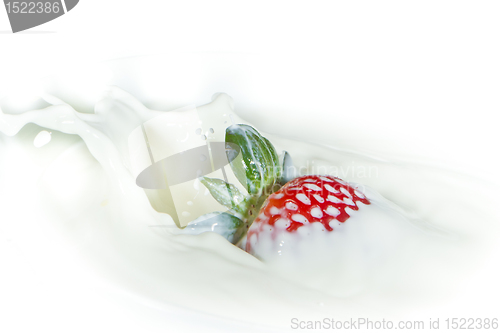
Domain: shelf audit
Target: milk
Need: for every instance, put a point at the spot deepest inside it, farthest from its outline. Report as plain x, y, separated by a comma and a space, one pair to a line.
424, 235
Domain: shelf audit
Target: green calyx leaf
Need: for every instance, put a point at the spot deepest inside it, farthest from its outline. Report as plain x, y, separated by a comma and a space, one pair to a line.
288, 170
226, 225
257, 167
226, 194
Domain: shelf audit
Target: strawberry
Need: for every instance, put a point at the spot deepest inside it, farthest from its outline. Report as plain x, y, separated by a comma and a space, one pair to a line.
268, 207
302, 201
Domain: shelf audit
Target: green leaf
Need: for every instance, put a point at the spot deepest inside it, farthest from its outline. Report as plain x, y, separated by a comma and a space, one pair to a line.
226, 225
259, 168
277, 166
288, 170
226, 194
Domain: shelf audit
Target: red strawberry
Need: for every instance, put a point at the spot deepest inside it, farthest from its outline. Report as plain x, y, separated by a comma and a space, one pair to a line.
305, 200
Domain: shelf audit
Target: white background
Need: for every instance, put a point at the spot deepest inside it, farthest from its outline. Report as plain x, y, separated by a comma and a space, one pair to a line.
425, 72
416, 78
